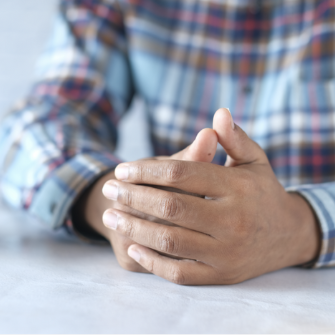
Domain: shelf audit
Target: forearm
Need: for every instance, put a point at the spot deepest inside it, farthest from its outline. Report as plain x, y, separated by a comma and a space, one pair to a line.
63, 137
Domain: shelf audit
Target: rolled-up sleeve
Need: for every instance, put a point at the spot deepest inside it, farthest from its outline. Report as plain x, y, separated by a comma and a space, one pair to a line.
62, 137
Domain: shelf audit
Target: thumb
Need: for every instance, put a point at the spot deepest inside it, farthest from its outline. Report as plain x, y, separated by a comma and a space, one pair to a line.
238, 146
202, 149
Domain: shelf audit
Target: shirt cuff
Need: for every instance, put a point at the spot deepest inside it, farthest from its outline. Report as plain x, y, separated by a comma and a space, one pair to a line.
53, 201
321, 198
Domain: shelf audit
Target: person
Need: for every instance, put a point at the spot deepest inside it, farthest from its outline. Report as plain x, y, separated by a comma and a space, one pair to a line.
266, 201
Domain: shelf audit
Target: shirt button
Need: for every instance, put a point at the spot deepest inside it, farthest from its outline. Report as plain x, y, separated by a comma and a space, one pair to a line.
247, 89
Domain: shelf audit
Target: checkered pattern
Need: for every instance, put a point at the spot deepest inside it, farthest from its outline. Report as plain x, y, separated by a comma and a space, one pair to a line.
272, 63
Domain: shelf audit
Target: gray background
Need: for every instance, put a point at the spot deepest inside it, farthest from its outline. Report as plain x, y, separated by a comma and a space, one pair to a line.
53, 283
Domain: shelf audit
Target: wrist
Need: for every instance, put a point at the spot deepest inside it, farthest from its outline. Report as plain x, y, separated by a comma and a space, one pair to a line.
89, 208
306, 240
97, 204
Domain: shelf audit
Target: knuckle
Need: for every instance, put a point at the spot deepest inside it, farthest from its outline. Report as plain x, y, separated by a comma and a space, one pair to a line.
171, 207
126, 197
175, 171
177, 276
128, 228
138, 171
168, 243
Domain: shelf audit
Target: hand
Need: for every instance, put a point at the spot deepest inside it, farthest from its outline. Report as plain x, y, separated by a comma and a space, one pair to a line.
246, 226
95, 204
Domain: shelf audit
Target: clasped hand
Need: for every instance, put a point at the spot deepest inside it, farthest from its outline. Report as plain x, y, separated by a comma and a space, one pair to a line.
245, 224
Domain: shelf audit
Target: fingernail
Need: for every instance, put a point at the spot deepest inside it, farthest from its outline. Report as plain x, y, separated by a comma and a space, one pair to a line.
110, 220
232, 120
134, 254
122, 172
110, 191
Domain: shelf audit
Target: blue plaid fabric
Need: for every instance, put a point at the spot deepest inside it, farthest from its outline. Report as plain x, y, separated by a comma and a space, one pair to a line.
271, 62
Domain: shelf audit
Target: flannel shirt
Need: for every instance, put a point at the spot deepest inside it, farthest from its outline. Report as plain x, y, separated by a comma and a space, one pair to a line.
271, 62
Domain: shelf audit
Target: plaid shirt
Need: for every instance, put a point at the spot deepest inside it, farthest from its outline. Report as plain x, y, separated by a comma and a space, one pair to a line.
272, 63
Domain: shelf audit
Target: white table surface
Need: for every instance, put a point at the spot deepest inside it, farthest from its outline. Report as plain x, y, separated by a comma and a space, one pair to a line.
52, 283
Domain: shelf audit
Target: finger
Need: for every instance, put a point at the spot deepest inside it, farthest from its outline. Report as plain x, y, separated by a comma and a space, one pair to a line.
181, 209
120, 245
174, 241
139, 214
202, 149
240, 148
155, 158
182, 272
194, 177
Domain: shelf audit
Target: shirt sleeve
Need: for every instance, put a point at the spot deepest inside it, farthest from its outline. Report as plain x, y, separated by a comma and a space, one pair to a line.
62, 137
321, 198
